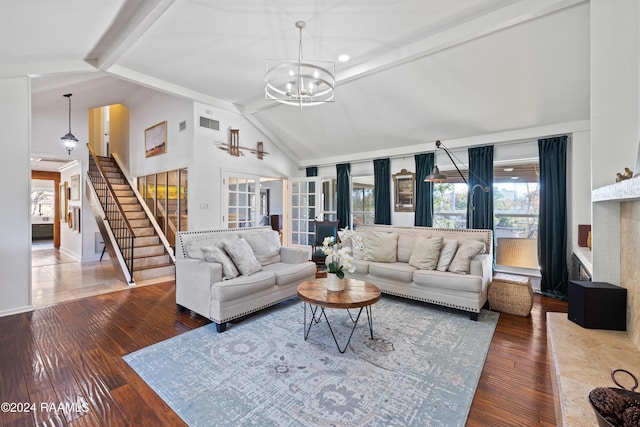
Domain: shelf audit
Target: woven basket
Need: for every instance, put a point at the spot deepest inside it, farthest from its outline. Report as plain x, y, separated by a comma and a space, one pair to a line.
511, 294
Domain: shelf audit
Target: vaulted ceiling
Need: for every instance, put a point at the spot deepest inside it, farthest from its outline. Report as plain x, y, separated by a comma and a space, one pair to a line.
420, 70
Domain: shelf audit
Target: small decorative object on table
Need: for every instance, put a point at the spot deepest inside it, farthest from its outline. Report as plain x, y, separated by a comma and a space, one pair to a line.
339, 259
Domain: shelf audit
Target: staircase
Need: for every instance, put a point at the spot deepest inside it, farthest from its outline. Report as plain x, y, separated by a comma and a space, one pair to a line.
129, 235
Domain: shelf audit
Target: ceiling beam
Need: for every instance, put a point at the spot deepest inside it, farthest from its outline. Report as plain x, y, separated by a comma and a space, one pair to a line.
132, 22
40, 69
522, 11
169, 88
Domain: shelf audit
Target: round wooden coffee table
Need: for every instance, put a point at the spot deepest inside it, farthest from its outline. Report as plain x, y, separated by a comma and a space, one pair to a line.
356, 294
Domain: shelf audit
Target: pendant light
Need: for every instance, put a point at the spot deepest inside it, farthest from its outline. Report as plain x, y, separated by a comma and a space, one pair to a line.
69, 140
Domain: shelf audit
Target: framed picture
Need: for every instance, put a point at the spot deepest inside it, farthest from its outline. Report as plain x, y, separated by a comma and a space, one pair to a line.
62, 201
75, 187
636, 169
155, 139
404, 183
76, 219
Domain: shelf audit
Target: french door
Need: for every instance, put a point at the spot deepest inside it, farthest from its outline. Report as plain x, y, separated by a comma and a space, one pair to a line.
240, 204
305, 196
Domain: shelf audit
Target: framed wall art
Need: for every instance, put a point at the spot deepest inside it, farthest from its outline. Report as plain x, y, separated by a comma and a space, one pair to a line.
62, 201
75, 187
155, 139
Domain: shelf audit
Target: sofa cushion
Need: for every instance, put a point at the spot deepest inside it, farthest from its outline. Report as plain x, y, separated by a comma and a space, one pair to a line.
467, 249
406, 242
287, 274
265, 245
445, 280
396, 271
447, 252
242, 286
381, 247
215, 254
362, 266
426, 253
242, 256
357, 250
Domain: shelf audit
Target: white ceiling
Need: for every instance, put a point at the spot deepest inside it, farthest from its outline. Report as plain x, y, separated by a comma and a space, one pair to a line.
420, 70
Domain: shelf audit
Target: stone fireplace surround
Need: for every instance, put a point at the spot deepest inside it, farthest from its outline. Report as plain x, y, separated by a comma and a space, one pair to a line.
583, 358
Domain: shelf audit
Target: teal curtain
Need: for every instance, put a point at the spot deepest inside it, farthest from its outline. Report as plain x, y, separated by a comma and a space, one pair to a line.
343, 192
424, 190
552, 224
312, 171
382, 191
481, 174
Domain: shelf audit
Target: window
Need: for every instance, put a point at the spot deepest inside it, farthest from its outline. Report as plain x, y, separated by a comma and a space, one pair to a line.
362, 200
43, 202
450, 205
516, 196
166, 197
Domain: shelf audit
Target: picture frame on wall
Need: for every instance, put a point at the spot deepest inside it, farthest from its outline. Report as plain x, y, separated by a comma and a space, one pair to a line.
62, 201
76, 219
75, 187
155, 139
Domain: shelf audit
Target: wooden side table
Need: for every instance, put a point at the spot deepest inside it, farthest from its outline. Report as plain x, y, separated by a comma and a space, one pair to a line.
511, 294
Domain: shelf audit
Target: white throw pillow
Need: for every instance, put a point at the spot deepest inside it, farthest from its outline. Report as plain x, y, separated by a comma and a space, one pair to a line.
466, 250
426, 253
447, 252
215, 254
381, 247
242, 256
265, 245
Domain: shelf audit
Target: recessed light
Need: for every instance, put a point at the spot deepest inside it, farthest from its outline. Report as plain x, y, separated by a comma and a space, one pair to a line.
514, 177
508, 169
344, 57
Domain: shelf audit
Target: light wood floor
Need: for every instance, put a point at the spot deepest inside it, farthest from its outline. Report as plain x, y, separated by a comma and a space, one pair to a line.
72, 352
56, 277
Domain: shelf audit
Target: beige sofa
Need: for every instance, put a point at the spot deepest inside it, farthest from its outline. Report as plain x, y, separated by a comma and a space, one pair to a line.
464, 290
273, 272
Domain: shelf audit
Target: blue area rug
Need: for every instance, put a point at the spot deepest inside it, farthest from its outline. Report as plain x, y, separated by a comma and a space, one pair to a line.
421, 369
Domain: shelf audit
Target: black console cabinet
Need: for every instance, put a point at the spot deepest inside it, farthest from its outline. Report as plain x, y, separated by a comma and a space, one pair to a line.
597, 305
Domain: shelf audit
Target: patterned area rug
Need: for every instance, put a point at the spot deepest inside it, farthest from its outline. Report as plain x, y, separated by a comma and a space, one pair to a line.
421, 369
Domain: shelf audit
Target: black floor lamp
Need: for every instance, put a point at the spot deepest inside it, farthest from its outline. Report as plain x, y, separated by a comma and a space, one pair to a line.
437, 176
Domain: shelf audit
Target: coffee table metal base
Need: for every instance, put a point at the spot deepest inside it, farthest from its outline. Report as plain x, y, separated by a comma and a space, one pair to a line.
316, 319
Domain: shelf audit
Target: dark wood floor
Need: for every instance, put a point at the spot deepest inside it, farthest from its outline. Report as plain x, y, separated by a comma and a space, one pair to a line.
71, 354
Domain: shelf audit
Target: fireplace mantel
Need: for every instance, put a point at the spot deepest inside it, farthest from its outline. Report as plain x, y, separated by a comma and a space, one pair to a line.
623, 191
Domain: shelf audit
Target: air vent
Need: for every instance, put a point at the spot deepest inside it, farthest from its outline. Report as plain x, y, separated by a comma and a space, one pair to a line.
209, 123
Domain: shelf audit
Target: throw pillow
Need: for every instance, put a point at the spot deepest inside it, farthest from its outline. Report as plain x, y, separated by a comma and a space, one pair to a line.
265, 245
242, 256
426, 253
462, 261
447, 252
381, 247
215, 254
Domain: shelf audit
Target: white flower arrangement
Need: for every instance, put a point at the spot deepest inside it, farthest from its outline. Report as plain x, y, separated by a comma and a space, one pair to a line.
339, 257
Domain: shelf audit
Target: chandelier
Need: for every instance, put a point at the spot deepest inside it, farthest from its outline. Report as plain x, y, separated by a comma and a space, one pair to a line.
301, 83
69, 140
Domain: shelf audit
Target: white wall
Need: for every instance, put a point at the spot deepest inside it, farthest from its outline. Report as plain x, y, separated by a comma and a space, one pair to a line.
615, 114
580, 184
196, 149
209, 162
15, 183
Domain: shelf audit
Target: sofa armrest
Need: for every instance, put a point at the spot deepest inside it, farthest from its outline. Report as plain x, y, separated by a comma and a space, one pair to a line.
194, 279
293, 255
482, 265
